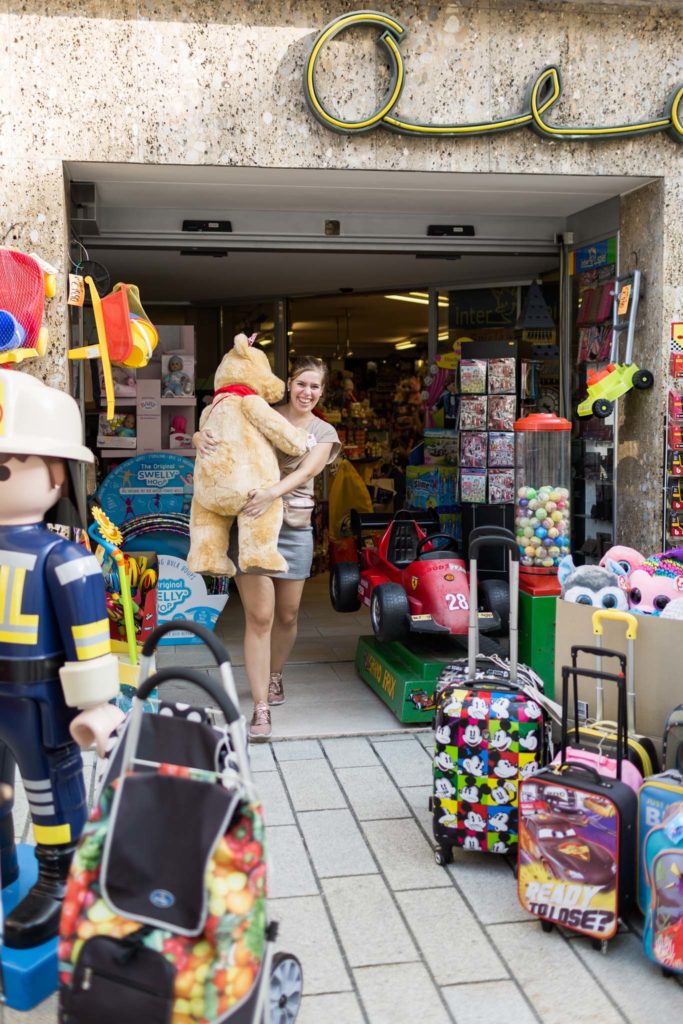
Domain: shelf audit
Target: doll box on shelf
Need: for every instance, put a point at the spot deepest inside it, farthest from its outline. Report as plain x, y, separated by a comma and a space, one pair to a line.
657, 680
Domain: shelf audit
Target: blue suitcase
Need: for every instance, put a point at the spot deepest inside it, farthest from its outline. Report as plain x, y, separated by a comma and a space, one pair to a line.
662, 871
658, 795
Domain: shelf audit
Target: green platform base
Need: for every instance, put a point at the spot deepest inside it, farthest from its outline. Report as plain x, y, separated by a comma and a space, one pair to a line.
404, 677
537, 637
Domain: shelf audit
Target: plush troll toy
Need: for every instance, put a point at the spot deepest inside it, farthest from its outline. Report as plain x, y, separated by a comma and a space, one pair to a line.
247, 431
656, 582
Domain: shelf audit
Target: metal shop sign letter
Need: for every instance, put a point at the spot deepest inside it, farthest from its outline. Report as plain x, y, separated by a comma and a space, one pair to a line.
541, 95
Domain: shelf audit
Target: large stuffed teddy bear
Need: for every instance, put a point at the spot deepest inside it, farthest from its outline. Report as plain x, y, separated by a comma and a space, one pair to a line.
247, 431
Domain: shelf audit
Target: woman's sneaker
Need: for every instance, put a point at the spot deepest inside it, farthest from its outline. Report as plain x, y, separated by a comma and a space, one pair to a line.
260, 728
276, 691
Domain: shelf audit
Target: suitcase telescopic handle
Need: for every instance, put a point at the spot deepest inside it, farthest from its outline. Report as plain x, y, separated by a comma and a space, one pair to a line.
497, 536
615, 615
577, 766
598, 652
493, 537
186, 626
631, 620
571, 671
190, 675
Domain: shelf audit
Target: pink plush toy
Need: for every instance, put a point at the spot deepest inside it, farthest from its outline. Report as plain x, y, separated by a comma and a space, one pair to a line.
628, 558
656, 582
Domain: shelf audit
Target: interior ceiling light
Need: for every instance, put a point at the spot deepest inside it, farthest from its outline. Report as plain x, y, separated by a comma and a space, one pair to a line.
290, 333
408, 298
400, 346
265, 341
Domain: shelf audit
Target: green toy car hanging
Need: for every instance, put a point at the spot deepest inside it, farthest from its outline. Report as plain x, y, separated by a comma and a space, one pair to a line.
616, 379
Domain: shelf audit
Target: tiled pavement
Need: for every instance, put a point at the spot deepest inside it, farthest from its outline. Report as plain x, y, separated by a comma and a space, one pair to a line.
384, 935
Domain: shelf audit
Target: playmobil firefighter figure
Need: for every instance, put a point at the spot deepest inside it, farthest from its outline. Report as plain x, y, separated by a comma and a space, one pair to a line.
55, 654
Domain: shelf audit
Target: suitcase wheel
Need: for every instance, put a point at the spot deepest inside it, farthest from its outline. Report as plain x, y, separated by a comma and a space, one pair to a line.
601, 945
443, 855
667, 973
547, 926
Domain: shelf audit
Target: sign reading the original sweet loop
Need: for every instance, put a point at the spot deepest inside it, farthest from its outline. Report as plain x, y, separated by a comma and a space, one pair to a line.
541, 95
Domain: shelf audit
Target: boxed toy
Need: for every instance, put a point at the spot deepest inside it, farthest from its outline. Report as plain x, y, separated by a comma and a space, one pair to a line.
451, 523
473, 376
501, 449
502, 409
473, 486
177, 375
118, 432
441, 448
501, 486
473, 412
431, 487
473, 449
502, 376
675, 407
125, 383
676, 437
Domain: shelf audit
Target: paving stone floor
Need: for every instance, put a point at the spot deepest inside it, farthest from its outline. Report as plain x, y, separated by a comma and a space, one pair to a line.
385, 936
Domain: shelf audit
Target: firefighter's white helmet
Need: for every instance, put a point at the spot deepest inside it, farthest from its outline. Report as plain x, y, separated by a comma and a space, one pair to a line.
39, 420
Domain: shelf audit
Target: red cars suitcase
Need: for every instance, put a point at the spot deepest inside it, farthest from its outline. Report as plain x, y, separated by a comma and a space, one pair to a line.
577, 837
489, 733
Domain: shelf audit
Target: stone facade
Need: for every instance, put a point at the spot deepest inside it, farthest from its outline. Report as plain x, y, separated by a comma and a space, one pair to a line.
210, 82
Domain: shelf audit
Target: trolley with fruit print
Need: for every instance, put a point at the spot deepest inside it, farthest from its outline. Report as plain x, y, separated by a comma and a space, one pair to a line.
164, 918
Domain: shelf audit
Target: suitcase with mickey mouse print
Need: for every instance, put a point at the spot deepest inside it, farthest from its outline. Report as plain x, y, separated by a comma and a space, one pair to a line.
489, 732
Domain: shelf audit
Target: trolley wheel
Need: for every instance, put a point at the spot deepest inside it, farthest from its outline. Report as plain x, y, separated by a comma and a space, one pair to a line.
547, 926
443, 855
602, 408
601, 945
667, 973
286, 988
643, 380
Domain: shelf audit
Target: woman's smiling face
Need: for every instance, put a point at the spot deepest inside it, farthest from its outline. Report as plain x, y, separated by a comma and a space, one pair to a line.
305, 390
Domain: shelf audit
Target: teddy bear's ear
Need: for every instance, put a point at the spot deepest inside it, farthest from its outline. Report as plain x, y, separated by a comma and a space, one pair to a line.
241, 345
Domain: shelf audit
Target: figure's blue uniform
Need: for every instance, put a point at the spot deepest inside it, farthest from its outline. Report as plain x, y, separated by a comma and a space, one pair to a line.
52, 611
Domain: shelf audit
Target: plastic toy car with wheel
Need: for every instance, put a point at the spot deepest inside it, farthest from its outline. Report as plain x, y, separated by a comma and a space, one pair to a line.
605, 386
414, 582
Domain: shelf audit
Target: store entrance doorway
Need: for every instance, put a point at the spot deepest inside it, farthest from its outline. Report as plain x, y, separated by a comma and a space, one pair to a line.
371, 270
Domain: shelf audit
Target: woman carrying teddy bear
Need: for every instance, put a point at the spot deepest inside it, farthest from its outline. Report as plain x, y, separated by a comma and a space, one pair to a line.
271, 601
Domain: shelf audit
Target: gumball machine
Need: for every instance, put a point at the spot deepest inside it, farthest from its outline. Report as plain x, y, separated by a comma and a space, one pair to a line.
542, 489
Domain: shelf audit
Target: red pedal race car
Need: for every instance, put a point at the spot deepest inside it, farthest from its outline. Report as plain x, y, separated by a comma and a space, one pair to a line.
414, 581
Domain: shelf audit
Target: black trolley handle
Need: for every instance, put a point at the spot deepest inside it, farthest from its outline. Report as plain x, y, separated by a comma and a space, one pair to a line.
571, 671
482, 537
208, 638
215, 690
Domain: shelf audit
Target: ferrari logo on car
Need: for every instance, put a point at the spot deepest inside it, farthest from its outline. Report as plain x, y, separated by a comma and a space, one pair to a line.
414, 582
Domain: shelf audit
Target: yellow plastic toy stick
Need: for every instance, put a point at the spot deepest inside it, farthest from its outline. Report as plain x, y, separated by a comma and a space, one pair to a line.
98, 350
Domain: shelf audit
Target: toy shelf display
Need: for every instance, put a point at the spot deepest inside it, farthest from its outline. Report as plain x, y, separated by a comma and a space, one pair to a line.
593, 271
155, 406
673, 515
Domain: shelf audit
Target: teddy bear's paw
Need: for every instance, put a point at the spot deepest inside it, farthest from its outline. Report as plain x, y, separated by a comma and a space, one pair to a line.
264, 560
214, 566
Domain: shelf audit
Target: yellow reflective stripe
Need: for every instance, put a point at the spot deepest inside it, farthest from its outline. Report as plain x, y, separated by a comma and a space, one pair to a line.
90, 629
96, 650
4, 579
19, 628
91, 640
52, 835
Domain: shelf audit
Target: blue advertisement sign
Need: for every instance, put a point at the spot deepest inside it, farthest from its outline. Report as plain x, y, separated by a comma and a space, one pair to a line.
599, 254
149, 497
